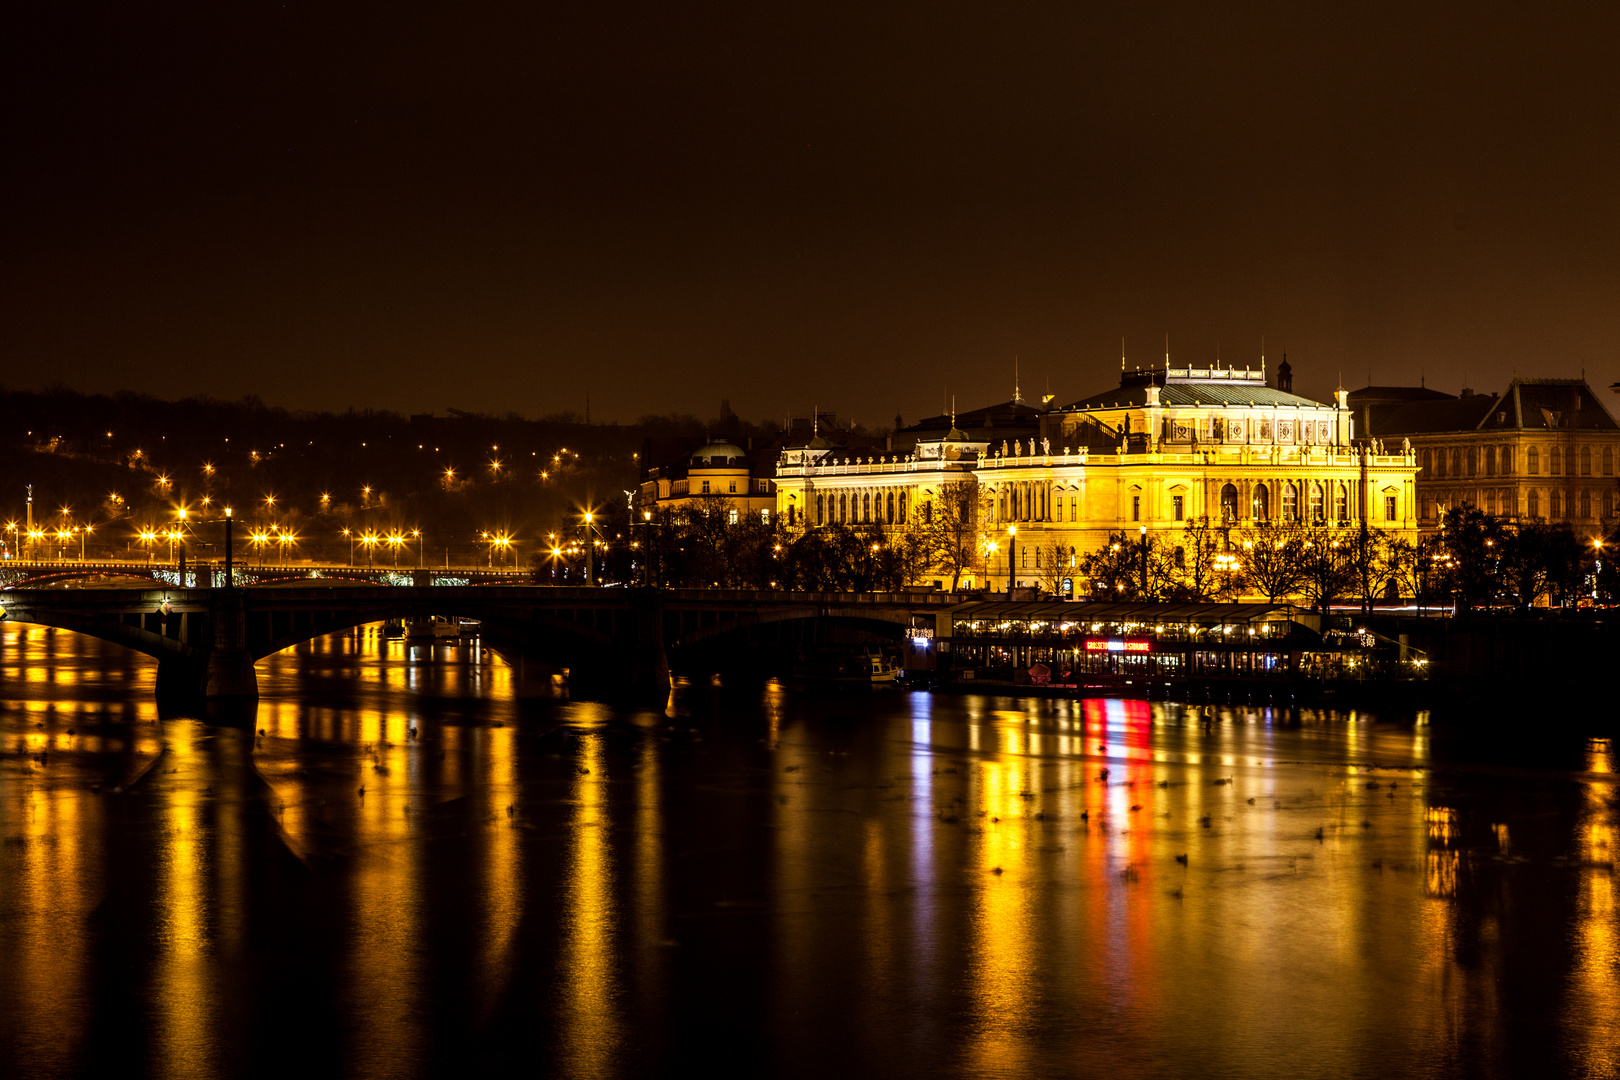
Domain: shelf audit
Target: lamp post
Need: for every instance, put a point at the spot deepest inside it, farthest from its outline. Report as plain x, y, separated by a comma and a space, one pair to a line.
590, 547
421, 552
646, 548
1012, 559
1142, 531
230, 578
349, 536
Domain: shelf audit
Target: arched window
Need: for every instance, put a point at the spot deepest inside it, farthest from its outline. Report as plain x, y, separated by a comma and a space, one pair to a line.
1262, 503
1290, 506
1533, 509
1507, 461
1555, 504
1532, 459
1316, 503
1586, 464
1608, 461
866, 502
902, 508
889, 510
1472, 461
1229, 505
1037, 558
1555, 461
1341, 504
1490, 461
1586, 503
1428, 464
843, 510
1439, 465
1457, 462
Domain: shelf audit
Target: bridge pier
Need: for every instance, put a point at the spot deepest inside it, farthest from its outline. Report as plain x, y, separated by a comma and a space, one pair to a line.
649, 671
229, 672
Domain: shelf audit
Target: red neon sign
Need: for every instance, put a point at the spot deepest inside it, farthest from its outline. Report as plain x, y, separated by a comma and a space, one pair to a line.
1117, 645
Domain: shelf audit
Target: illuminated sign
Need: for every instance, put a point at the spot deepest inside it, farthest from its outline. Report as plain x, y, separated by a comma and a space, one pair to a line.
1118, 645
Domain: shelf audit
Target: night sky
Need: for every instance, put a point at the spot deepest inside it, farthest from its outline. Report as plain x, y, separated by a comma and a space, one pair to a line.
863, 207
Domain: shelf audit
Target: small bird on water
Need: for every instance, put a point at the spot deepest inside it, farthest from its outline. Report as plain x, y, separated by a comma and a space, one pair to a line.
1182, 859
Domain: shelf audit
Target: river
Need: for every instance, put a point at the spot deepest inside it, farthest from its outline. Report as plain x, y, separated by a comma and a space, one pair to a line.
426, 863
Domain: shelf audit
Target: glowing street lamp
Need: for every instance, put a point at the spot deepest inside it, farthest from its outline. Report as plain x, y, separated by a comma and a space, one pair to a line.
369, 541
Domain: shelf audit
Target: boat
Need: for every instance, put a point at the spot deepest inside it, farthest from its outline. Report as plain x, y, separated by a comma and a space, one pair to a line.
865, 670
432, 628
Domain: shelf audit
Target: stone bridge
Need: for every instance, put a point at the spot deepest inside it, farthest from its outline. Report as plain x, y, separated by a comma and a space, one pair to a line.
23, 575
207, 639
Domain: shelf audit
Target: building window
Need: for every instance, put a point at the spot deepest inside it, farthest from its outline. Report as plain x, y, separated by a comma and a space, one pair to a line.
1177, 504
1472, 455
1555, 504
843, 509
1457, 462
1290, 503
1586, 504
1490, 500
1057, 508
733, 488
1392, 507
1136, 508
765, 517
1507, 461
764, 487
791, 515
1586, 461
902, 508
1509, 503
1341, 504
1608, 504
732, 517
1074, 508
1037, 558
1532, 459
1608, 461
1426, 463
1024, 561
1439, 464
1229, 506
1490, 461
1262, 503
1555, 461
1533, 509
1316, 503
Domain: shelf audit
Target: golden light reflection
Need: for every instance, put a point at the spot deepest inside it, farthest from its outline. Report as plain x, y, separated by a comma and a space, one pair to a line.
50, 876
503, 877
588, 1015
187, 1013
1592, 1023
1003, 945
388, 897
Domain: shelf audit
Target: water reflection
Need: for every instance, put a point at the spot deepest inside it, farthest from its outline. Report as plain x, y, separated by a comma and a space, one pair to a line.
588, 1009
410, 867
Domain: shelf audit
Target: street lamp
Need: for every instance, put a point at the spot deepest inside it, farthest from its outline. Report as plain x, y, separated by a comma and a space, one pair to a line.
394, 540
350, 537
1012, 559
421, 552
590, 547
369, 542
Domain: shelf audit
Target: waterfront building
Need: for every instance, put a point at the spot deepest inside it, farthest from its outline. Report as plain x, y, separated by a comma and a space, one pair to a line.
1542, 449
1169, 446
676, 476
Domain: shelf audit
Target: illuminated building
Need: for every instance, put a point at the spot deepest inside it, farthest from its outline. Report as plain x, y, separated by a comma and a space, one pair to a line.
1168, 447
1545, 448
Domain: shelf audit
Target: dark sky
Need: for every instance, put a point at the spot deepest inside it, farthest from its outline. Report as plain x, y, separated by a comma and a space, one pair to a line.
862, 207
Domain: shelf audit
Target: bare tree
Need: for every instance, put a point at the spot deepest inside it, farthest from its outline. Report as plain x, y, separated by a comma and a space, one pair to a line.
1270, 558
949, 531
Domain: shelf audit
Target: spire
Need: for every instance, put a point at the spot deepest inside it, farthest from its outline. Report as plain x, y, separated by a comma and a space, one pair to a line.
1121, 354
1017, 397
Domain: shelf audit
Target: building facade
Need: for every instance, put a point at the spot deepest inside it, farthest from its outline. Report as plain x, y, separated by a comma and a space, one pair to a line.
1167, 447
1544, 449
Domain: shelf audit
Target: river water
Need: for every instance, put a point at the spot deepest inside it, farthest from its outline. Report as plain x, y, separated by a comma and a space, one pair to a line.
423, 863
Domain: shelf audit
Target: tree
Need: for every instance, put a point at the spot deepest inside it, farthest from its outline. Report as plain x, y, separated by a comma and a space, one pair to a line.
1270, 558
949, 530
1417, 569
1325, 570
1141, 567
1372, 566
1054, 563
1475, 541
1202, 574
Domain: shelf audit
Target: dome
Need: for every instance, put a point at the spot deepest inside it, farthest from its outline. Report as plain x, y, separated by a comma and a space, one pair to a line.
717, 454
